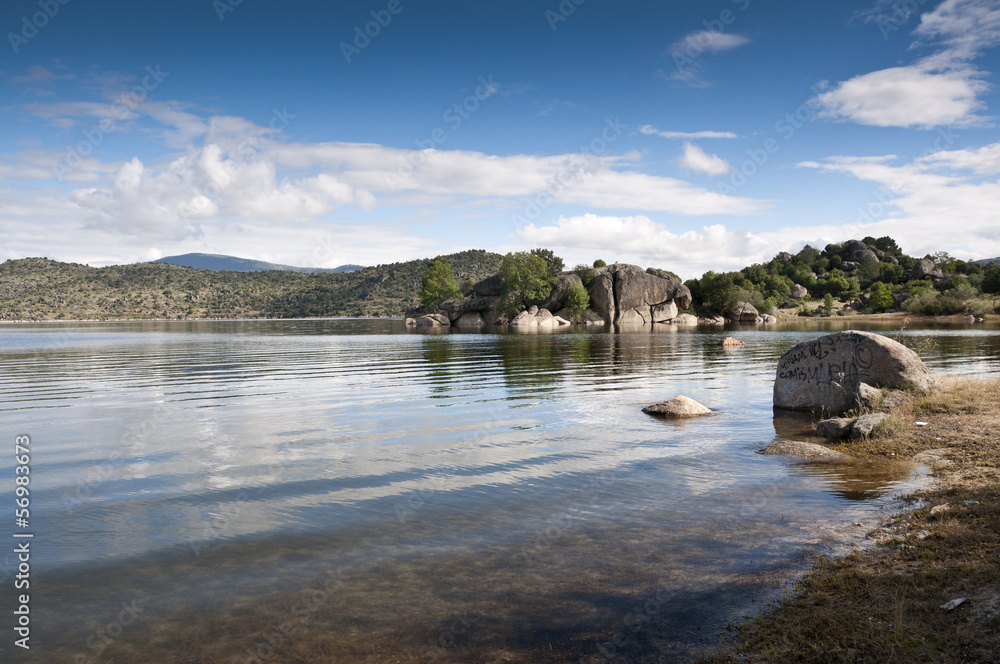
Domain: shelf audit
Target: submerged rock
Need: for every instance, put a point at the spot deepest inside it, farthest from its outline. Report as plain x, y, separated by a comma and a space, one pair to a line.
679, 407
730, 342
804, 451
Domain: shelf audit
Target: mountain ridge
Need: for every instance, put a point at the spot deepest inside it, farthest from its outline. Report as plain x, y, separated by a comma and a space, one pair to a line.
218, 262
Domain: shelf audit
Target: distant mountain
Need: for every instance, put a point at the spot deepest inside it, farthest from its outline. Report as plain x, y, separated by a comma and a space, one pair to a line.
234, 264
984, 261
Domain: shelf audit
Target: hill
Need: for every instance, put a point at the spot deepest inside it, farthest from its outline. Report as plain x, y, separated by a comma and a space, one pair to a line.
984, 261
42, 289
221, 262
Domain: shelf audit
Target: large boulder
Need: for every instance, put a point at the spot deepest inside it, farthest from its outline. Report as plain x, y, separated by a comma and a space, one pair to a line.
623, 293
679, 407
923, 268
560, 291
824, 374
685, 319
744, 313
799, 292
488, 287
524, 319
484, 305
432, 320
470, 319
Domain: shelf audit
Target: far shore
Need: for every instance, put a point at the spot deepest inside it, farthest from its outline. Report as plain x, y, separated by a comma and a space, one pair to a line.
888, 317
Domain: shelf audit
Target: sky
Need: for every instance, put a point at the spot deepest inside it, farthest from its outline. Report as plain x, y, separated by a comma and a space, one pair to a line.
686, 136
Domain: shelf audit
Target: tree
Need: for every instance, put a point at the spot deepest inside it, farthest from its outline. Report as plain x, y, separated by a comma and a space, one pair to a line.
577, 300
599, 263
881, 297
828, 304
438, 284
585, 272
523, 276
991, 279
553, 263
888, 245
868, 270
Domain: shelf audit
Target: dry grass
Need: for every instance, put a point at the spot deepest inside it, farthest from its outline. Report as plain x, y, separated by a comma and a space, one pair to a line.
883, 605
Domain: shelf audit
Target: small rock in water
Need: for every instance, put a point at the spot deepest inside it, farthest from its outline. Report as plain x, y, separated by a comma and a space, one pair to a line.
954, 604
730, 342
804, 451
678, 407
940, 509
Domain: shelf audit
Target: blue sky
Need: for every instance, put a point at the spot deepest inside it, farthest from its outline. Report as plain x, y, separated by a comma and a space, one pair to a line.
680, 135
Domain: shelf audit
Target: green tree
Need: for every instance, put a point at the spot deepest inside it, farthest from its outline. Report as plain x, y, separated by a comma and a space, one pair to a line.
868, 270
828, 304
991, 279
881, 297
577, 300
523, 276
553, 263
438, 284
599, 263
585, 272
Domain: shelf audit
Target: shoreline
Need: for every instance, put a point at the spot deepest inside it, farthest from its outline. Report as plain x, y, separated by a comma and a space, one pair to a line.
886, 601
888, 317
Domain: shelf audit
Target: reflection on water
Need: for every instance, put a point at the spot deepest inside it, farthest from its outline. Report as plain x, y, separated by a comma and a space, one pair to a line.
302, 491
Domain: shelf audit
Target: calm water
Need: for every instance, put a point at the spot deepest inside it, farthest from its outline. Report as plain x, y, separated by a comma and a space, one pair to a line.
348, 491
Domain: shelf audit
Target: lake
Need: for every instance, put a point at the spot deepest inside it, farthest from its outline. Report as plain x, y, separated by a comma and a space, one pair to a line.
350, 491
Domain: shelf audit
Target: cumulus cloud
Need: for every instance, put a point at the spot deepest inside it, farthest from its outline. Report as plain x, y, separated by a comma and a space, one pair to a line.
639, 239
923, 202
695, 159
941, 89
650, 130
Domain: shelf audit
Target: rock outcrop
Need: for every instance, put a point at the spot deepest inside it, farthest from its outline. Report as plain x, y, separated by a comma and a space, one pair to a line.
744, 313
680, 407
799, 292
623, 294
432, 320
824, 374
560, 291
470, 319
540, 318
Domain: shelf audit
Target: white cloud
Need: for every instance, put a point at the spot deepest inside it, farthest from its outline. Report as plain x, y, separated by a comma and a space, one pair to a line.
695, 159
686, 54
711, 41
948, 199
650, 130
912, 96
640, 240
941, 89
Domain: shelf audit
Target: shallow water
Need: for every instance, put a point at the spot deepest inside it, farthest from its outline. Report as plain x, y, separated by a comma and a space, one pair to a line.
345, 490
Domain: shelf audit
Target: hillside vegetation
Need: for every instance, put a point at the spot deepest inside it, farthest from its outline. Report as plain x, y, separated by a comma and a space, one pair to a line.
42, 289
